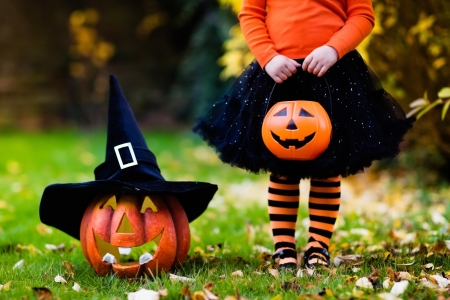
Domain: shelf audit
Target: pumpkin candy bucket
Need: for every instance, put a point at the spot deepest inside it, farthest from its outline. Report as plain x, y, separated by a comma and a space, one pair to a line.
296, 129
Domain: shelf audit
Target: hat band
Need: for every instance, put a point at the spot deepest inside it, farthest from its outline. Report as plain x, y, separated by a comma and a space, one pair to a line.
144, 158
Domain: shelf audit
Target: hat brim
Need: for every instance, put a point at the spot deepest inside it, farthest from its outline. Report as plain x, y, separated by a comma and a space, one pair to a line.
63, 205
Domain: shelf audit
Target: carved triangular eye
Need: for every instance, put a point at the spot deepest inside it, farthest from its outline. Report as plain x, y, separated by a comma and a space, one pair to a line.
281, 113
148, 203
304, 113
112, 202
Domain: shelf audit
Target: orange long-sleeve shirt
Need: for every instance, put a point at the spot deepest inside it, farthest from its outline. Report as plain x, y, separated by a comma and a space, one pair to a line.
294, 28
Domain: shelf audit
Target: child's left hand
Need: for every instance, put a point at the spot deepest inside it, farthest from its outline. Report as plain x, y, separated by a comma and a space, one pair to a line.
320, 60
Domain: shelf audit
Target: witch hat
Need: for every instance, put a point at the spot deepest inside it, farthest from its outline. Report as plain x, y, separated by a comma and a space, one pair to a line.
129, 168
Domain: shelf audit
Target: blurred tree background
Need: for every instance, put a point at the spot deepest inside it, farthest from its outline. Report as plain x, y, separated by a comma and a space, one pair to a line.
174, 58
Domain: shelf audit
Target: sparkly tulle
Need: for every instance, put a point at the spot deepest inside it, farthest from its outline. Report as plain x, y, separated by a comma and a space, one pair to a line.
368, 124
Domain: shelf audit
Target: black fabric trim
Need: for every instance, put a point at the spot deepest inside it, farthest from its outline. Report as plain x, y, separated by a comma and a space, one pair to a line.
317, 183
289, 180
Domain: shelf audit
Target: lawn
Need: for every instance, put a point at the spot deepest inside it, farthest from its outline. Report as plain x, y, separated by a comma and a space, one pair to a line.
392, 228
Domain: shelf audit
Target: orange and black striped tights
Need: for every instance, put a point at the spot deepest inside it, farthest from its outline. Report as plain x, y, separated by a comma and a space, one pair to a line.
324, 201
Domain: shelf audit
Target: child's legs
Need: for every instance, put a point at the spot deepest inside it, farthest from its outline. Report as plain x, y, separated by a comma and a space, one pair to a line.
284, 194
324, 201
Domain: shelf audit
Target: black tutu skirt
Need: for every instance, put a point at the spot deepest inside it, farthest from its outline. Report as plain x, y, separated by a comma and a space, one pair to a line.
367, 123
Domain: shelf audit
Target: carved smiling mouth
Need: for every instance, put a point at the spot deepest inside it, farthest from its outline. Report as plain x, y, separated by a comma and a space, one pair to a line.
126, 256
293, 142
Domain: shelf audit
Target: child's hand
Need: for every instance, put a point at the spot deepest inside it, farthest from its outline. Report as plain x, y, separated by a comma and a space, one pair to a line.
320, 60
281, 67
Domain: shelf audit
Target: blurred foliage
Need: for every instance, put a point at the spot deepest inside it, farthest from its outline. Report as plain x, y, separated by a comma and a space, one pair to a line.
55, 58
423, 105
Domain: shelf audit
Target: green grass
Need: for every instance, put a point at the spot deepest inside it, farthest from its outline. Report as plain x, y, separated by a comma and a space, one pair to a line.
222, 238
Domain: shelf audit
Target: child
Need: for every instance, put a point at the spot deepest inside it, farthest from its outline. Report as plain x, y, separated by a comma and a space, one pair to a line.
305, 50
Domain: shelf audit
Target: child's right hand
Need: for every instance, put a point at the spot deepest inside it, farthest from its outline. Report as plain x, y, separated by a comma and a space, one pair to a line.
281, 68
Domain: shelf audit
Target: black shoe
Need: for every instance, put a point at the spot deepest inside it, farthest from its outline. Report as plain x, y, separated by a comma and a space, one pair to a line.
286, 253
314, 252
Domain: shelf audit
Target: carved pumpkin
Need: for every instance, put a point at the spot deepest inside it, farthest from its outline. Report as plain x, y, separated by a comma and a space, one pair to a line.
119, 234
296, 130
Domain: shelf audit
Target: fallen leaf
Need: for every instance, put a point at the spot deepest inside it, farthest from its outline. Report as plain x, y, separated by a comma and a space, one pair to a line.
60, 279
186, 292
43, 229
261, 249
387, 283
176, 278
309, 285
351, 279
428, 267
404, 276
387, 296
399, 287
290, 286
51, 247
441, 281
6, 286
18, 264
364, 283
210, 295
198, 295
353, 259
391, 274
274, 272
68, 268
237, 273
163, 293
143, 294
76, 287
43, 293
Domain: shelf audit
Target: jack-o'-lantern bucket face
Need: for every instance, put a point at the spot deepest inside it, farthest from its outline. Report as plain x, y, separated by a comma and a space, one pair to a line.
133, 234
297, 130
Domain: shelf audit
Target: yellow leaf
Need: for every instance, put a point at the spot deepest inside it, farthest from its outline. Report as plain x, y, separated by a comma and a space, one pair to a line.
445, 109
444, 93
439, 63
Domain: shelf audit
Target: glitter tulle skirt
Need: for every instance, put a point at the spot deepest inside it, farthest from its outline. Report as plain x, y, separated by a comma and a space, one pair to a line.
367, 123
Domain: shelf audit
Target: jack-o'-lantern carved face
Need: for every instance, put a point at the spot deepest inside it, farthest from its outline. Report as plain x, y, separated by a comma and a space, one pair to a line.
296, 130
132, 234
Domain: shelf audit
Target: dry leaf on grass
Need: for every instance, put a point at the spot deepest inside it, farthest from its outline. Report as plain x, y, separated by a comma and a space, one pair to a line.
274, 272
399, 287
68, 268
60, 279
364, 283
387, 296
43, 293
352, 259
18, 264
237, 273
176, 278
52, 247
6, 286
143, 294
76, 287
440, 281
